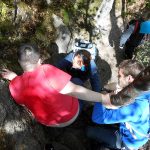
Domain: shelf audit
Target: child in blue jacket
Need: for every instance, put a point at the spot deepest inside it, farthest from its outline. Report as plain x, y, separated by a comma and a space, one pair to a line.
133, 119
81, 67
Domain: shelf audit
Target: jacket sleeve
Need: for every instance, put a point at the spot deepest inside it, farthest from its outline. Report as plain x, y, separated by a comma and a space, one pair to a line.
132, 112
128, 94
125, 36
65, 63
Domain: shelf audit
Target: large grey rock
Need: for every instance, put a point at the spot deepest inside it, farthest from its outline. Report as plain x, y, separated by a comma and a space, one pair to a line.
17, 128
63, 34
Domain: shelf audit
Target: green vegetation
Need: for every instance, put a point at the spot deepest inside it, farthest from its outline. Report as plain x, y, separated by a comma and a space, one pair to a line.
143, 54
148, 4
65, 16
33, 19
131, 1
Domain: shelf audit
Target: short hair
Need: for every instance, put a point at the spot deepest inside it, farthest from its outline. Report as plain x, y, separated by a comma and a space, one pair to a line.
86, 56
140, 84
28, 53
131, 67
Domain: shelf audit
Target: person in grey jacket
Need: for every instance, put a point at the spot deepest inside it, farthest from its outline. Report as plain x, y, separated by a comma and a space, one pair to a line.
131, 38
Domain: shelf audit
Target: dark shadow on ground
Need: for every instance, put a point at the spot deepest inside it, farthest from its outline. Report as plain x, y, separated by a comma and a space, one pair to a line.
114, 35
55, 56
74, 136
104, 70
54, 59
13, 117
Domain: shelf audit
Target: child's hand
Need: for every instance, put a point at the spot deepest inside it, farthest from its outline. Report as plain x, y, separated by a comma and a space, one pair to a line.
7, 74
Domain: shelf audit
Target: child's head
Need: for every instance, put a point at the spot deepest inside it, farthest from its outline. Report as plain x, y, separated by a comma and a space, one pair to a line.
81, 59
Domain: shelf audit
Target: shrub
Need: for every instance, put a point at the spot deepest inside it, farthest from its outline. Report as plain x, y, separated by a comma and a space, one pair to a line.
142, 54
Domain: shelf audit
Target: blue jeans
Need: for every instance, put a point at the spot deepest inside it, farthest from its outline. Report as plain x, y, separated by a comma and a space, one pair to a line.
108, 137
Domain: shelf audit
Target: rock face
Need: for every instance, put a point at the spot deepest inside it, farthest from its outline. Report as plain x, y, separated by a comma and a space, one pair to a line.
106, 22
105, 32
63, 34
17, 129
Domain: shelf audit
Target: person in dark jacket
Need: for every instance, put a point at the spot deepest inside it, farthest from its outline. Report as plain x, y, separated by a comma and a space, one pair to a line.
133, 36
81, 67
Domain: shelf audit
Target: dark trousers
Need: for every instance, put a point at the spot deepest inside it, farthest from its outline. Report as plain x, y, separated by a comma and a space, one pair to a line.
107, 136
129, 50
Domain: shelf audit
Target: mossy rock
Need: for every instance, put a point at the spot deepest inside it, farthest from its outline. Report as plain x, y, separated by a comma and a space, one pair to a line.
9, 3
6, 13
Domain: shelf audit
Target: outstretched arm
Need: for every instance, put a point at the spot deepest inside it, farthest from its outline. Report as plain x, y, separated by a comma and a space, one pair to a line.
124, 97
65, 63
86, 94
7, 74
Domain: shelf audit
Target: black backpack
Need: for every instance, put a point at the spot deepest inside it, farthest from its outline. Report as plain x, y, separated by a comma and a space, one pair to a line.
136, 37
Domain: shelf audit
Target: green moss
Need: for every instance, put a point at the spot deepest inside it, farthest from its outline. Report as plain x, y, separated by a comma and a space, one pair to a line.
47, 19
142, 54
9, 3
45, 31
5, 12
40, 33
6, 31
65, 16
6, 26
80, 1
3, 40
147, 4
118, 4
44, 35
131, 1
23, 6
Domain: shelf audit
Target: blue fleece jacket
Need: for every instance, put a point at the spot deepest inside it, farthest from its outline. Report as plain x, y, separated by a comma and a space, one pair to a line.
136, 115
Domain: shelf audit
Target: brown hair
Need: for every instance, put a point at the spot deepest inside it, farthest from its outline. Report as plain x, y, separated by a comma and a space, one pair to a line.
131, 67
28, 53
86, 56
140, 84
